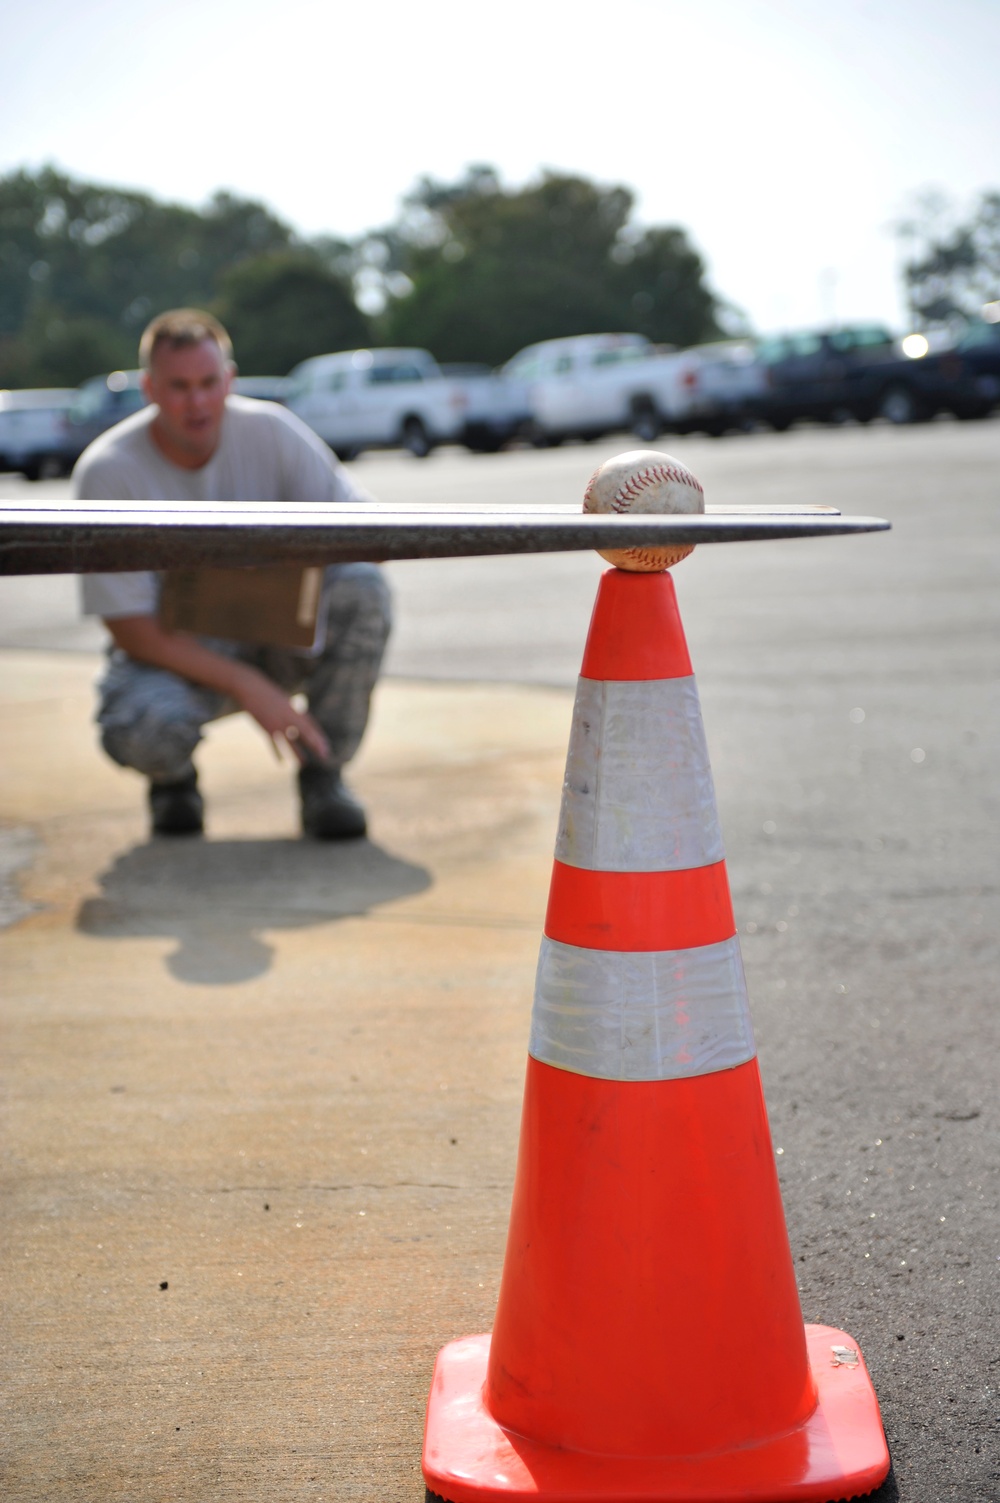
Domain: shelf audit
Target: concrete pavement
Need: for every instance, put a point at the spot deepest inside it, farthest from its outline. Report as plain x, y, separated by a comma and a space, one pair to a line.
284, 1081
262, 1096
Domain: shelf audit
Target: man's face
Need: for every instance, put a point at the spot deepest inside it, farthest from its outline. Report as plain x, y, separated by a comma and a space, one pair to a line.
189, 385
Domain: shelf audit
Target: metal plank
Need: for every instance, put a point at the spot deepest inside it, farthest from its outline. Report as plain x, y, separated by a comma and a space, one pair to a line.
112, 536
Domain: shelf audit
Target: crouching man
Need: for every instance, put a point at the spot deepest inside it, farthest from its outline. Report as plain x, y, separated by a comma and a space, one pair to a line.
196, 442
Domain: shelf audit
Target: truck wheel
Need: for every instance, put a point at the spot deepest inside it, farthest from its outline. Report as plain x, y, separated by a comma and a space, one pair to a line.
416, 438
43, 467
538, 438
970, 413
644, 420
900, 405
479, 438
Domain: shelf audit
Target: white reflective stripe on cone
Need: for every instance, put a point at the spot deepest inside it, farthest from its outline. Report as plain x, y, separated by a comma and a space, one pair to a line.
638, 794
641, 1015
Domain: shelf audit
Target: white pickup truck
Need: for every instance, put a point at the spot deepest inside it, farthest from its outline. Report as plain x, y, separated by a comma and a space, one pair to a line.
368, 399
590, 384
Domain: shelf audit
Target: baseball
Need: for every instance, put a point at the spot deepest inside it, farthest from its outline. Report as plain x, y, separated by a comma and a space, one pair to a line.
644, 480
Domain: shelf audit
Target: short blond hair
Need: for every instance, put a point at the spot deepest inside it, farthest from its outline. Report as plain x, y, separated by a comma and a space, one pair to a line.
179, 327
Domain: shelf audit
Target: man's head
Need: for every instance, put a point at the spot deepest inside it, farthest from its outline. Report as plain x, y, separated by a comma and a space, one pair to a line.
187, 370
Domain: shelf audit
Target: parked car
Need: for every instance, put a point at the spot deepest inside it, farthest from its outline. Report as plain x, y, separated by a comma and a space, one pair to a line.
262, 388
367, 399
960, 375
496, 406
821, 374
863, 371
32, 431
587, 385
725, 381
97, 405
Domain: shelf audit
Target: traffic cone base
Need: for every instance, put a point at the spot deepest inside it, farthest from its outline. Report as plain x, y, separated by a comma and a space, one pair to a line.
839, 1452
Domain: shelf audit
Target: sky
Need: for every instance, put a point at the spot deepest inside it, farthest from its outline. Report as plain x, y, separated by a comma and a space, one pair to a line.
786, 136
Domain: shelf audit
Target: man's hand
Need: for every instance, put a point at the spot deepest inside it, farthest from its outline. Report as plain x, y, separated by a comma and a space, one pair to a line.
278, 717
144, 639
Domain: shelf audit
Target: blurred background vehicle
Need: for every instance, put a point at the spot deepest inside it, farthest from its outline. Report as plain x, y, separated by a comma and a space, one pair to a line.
587, 385
725, 380
954, 372
377, 399
863, 371
262, 388
32, 427
496, 406
822, 374
97, 405
580, 387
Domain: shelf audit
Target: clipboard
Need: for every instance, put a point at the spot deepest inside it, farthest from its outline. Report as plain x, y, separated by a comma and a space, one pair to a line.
277, 605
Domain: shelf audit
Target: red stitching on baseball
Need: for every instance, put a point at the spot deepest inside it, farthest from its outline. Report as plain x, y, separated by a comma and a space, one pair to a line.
637, 483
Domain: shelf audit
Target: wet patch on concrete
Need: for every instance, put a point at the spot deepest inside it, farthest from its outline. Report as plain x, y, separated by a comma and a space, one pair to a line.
19, 845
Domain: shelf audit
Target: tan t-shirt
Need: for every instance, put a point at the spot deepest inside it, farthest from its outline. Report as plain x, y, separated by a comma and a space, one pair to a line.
265, 453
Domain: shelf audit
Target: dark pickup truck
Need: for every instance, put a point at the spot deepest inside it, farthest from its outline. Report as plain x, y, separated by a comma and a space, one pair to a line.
862, 371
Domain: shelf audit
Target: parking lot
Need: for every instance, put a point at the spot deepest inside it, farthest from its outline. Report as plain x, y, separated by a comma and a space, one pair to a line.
263, 1108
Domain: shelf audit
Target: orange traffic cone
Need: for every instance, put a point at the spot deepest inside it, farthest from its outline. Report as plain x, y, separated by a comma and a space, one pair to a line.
648, 1342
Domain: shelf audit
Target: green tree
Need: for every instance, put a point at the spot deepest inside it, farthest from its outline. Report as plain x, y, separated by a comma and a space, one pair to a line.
953, 268
471, 270
658, 279
284, 307
84, 265
53, 349
475, 272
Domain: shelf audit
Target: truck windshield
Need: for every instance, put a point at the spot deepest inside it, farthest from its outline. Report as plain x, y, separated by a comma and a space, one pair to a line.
621, 355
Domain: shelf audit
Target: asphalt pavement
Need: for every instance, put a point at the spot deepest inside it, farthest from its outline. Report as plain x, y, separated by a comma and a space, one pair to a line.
262, 1097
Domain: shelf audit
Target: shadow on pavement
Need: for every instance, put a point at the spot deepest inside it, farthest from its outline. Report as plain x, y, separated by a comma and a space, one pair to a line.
215, 897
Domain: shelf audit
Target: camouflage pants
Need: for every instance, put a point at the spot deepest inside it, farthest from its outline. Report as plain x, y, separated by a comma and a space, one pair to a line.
152, 720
